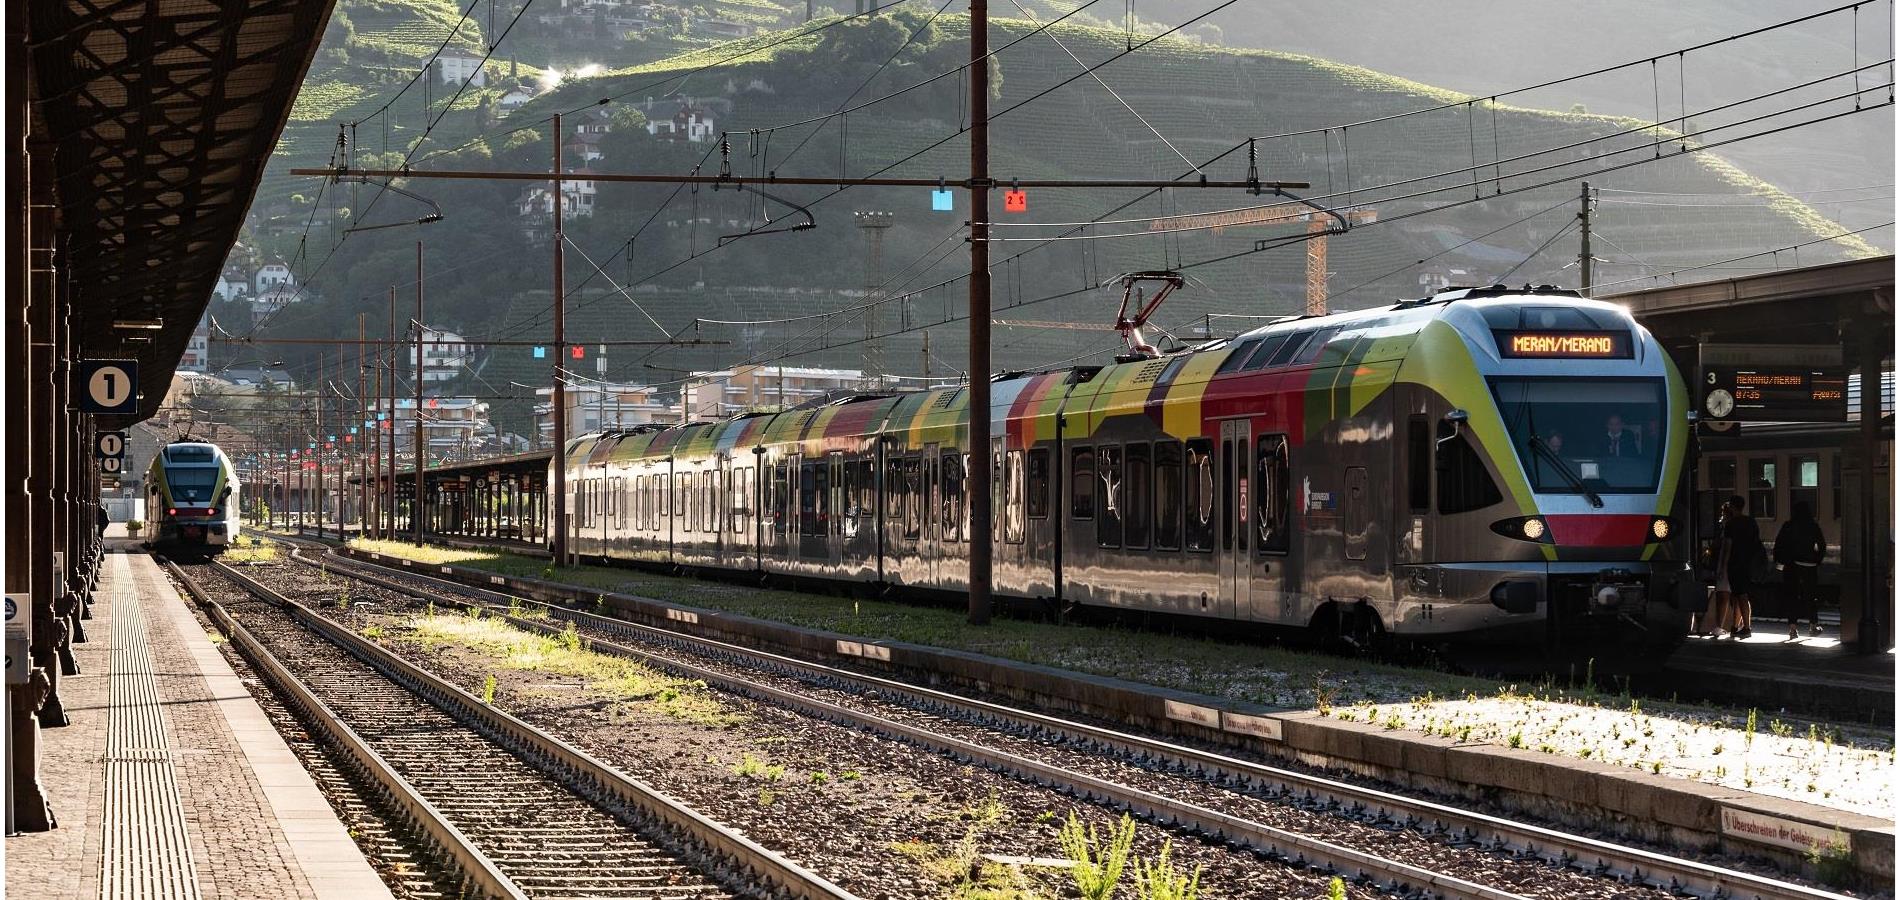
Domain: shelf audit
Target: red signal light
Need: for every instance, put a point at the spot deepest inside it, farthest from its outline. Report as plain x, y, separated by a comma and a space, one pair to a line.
580, 352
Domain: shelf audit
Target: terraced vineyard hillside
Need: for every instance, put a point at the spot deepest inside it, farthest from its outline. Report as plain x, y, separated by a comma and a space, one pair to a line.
1205, 101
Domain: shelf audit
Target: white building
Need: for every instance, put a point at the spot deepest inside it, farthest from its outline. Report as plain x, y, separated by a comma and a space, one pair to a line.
274, 275
230, 288
197, 356
719, 395
454, 68
596, 406
267, 303
452, 427
444, 355
689, 123
535, 206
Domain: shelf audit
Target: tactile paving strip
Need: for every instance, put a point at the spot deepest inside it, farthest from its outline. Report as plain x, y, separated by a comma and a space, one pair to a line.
147, 849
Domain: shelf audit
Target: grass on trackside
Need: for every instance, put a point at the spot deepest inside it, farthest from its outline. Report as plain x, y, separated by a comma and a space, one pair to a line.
611, 678
249, 550
1844, 767
1275, 676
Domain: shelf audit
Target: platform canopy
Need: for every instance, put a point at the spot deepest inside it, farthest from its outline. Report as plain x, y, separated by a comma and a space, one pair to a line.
159, 116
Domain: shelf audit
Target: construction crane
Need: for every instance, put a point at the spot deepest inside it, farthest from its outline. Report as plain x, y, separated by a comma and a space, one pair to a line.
1319, 224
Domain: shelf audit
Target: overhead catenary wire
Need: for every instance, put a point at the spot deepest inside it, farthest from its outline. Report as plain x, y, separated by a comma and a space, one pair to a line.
1821, 240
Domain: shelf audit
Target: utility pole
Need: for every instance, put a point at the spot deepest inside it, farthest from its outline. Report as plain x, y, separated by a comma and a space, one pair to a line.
416, 505
1583, 258
389, 514
926, 357
979, 476
316, 400
362, 461
559, 392
373, 518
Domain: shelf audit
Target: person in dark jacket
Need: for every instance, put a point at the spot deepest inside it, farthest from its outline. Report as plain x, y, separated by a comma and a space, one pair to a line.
1736, 557
1799, 549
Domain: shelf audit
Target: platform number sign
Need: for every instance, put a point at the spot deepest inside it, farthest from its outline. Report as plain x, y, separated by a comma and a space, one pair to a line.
112, 465
108, 386
107, 444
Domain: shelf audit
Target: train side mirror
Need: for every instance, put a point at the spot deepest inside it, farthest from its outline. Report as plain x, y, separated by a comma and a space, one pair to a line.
1456, 419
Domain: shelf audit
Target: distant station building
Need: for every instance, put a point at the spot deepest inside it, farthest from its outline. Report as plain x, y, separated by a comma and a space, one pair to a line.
597, 407
721, 394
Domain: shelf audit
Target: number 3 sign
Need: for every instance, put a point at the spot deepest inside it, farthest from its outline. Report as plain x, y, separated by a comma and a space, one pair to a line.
108, 386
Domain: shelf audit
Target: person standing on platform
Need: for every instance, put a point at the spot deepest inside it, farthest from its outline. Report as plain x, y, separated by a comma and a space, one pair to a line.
1799, 549
1737, 558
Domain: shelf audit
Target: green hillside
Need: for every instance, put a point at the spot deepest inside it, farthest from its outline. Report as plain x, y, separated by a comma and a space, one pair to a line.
486, 278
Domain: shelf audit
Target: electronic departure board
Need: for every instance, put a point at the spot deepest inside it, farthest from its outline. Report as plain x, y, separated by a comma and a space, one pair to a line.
1774, 394
1563, 344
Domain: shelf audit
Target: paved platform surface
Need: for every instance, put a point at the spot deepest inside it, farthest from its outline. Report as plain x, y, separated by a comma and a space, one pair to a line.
253, 823
1770, 668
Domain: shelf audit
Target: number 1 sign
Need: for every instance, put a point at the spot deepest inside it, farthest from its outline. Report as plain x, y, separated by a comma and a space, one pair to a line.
108, 386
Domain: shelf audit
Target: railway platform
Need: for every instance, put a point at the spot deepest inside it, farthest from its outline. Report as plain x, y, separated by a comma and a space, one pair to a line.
170, 782
1809, 673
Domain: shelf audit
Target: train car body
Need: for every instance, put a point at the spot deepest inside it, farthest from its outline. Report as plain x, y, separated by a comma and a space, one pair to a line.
191, 498
1450, 469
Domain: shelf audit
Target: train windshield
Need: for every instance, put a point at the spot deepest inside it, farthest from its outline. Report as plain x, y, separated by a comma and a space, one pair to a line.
192, 485
1608, 434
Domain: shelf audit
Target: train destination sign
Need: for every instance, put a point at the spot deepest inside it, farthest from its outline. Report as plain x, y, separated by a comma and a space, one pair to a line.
1563, 344
1774, 393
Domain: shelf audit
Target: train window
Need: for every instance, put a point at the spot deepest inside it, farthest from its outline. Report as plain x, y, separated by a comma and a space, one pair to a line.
1238, 356
952, 512
1806, 485
1198, 490
1108, 471
712, 501
1464, 484
927, 493
1290, 349
686, 505
1037, 503
861, 475
735, 487
664, 483
811, 497
913, 497
1264, 352
835, 499
1316, 345
1082, 483
1168, 498
894, 495
1418, 464
1763, 478
1138, 494
779, 495
1013, 497
1273, 494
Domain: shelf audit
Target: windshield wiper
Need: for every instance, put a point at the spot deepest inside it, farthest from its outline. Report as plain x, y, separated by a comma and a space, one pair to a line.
1537, 444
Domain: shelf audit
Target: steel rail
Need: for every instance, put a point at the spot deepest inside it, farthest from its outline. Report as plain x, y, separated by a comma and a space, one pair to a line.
450, 845
739, 857
1632, 864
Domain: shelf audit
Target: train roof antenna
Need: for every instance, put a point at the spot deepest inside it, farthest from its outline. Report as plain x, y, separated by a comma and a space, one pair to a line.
1130, 328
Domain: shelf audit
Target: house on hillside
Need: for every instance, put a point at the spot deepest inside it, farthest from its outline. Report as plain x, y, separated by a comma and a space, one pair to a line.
197, 356
444, 355
586, 145
518, 95
266, 304
535, 205
455, 67
720, 28
231, 286
688, 123
274, 275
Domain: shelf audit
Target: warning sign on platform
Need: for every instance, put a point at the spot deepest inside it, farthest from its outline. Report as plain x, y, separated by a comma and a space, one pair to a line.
1779, 832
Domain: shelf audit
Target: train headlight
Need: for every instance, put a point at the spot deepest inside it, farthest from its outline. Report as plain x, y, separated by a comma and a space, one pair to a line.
1660, 529
1524, 528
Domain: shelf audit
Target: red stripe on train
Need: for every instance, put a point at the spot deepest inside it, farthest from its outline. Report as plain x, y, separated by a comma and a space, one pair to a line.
1598, 530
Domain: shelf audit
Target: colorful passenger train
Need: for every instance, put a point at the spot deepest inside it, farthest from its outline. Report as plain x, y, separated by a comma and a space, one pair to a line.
191, 498
1489, 465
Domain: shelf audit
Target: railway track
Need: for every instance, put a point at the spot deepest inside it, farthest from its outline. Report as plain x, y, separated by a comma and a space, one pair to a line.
1634, 868
509, 810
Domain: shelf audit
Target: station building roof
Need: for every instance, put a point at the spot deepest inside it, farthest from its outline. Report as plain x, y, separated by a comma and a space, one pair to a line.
159, 118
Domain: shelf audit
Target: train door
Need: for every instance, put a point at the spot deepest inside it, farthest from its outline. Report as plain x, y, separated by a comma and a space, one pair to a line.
1236, 581
1272, 524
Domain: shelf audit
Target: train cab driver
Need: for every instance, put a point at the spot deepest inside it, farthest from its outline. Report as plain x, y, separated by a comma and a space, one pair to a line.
1619, 441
